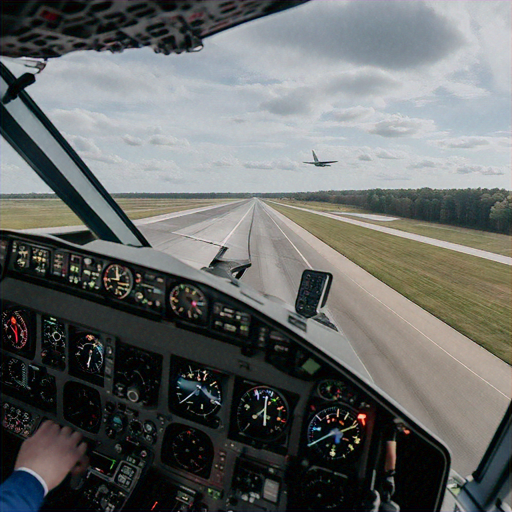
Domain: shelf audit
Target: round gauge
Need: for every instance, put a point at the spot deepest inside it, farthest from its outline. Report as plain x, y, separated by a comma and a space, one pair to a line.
89, 353
54, 335
323, 490
82, 406
331, 389
14, 329
189, 302
118, 280
262, 413
192, 451
197, 392
334, 433
17, 371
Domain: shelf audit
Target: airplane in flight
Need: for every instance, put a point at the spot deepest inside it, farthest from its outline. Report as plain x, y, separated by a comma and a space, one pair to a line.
318, 163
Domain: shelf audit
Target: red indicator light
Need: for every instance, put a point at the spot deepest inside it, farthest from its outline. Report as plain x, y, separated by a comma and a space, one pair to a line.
362, 418
406, 431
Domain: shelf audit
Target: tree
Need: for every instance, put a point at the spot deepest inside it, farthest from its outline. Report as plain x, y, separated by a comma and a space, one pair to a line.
501, 214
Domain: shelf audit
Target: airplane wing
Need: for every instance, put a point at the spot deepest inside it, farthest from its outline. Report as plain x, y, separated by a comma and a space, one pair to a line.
329, 162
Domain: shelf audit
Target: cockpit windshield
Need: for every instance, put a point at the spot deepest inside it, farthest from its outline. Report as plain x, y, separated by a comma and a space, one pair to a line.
369, 140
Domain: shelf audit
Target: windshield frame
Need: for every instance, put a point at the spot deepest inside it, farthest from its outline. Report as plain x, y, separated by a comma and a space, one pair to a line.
36, 139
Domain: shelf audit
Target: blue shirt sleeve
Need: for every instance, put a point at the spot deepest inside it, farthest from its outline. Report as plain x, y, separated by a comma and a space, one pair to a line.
21, 492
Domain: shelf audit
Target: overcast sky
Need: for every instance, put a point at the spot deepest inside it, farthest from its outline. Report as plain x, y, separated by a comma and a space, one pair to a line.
403, 94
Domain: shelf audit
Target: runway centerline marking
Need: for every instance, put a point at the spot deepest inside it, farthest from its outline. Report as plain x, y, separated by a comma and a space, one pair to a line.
234, 229
409, 323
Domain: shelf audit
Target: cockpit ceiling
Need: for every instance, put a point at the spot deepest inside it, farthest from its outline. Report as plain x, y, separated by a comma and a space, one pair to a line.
45, 29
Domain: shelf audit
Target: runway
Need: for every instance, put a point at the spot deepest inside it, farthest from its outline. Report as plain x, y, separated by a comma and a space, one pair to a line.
454, 387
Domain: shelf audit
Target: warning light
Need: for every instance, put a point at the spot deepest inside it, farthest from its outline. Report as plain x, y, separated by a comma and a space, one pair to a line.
362, 418
406, 431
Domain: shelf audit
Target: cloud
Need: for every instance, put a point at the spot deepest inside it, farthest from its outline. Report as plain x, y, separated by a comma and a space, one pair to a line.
348, 115
479, 169
132, 141
365, 158
297, 101
88, 150
362, 83
401, 126
389, 155
390, 35
284, 164
424, 164
392, 177
166, 140
463, 142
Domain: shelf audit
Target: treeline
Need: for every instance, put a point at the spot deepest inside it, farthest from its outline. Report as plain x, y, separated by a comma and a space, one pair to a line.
481, 208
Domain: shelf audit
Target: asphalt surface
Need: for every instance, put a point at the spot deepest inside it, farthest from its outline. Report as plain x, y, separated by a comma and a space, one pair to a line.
454, 387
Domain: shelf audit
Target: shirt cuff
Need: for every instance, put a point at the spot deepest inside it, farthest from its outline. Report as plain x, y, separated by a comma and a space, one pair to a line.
37, 476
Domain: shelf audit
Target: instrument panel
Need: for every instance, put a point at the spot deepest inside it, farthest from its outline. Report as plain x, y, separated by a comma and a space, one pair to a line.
177, 382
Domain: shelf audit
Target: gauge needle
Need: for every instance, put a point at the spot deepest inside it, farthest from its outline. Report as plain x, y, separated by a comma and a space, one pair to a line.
15, 330
334, 432
90, 357
195, 392
208, 395
265, 412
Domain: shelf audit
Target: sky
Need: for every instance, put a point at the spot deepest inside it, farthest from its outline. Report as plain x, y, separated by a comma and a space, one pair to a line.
404, 94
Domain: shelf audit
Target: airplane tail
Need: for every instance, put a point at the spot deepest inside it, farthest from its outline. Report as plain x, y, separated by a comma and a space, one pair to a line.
314, 156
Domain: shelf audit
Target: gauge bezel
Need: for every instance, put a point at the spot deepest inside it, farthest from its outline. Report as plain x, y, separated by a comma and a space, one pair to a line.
193, 408
169, 447
318, 448
77, 337
75, 391
181, 314
110, 289
28, 348
267, 435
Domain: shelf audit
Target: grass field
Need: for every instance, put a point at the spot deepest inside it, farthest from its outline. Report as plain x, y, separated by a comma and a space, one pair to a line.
492, 242
471, 294
45, 213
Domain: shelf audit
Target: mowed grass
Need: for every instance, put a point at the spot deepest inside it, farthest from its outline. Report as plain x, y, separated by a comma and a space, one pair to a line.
471, 294
45, 213
483, 240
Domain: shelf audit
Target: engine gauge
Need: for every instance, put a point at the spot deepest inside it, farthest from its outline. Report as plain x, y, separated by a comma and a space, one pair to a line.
89, 353
82, 406
323, 489
53, 346
188, 302
188, 448
118, 280
15, 331
17, 372
331, 389
335, 433
262, 413
197, 392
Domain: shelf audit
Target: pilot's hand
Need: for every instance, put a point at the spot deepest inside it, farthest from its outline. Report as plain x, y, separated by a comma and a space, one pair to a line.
53, 452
